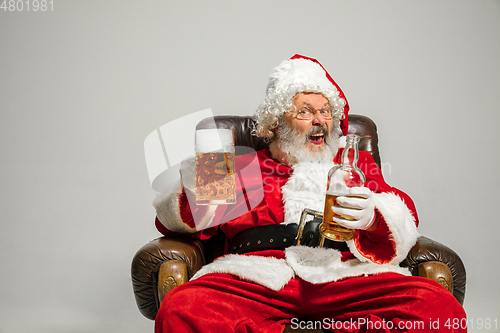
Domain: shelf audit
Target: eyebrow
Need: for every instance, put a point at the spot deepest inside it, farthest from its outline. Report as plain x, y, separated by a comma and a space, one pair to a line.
310, 106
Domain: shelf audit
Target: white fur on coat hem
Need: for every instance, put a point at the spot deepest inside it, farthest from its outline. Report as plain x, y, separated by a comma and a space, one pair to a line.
320, 265
400, 222
269, 272
314, 265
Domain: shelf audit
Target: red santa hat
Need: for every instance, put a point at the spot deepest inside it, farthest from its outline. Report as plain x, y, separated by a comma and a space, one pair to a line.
295, 75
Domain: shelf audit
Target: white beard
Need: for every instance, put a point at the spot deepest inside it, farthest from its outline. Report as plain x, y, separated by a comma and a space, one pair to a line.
294, 146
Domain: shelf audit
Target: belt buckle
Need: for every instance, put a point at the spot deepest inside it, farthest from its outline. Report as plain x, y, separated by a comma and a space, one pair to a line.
302, 223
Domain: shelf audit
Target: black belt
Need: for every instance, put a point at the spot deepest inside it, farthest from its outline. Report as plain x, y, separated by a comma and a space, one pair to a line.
279, 236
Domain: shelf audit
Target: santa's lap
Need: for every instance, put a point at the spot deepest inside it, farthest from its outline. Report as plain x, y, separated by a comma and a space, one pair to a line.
386, 302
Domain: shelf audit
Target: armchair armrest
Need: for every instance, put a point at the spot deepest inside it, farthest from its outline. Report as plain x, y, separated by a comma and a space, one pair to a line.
435, 261
174, 260
167, 262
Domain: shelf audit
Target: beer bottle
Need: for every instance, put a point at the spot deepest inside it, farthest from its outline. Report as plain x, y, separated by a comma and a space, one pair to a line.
340, 179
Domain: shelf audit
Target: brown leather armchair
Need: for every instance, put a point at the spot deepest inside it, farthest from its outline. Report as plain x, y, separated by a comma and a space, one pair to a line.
166, 262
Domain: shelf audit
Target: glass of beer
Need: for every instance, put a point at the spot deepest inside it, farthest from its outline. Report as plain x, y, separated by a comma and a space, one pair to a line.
215, 172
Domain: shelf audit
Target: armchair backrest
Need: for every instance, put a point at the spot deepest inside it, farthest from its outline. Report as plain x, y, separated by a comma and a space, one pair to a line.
243, 127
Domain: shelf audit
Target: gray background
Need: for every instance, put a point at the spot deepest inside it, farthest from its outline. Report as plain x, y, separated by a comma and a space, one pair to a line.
82, 86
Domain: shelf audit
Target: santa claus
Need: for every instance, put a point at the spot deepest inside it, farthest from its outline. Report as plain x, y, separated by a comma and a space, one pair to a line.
264, 281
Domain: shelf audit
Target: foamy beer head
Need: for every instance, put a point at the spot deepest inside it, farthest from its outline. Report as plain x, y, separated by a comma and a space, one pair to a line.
215, 179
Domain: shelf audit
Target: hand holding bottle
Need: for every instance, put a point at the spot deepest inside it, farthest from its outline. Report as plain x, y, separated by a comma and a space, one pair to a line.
345, 188
357, 211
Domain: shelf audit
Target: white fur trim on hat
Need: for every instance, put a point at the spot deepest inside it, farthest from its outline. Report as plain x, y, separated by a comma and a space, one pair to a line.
300, 72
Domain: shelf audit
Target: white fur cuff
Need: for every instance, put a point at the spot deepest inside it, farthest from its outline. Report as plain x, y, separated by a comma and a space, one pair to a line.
400, 222
168, 212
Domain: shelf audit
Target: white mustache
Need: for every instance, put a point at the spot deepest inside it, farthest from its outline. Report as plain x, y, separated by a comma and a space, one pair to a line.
318, 129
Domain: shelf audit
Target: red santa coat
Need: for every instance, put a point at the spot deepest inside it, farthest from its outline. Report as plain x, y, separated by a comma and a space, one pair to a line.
271, 193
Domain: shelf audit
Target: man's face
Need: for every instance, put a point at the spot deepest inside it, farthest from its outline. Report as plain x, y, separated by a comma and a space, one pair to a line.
301, 140
313, 130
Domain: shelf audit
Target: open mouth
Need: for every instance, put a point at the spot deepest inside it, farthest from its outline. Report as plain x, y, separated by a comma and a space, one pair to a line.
317, 138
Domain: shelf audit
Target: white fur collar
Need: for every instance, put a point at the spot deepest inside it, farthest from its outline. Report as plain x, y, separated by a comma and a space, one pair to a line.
306, 188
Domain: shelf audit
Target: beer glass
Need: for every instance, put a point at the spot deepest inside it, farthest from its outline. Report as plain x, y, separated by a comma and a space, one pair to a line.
214, 167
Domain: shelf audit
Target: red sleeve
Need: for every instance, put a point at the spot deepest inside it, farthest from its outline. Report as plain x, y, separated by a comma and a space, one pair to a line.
189, 216
379, 245
375, 181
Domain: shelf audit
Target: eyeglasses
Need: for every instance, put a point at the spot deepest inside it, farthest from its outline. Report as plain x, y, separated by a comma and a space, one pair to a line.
307, 114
